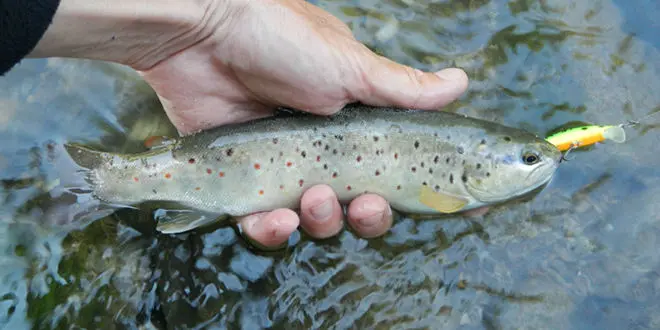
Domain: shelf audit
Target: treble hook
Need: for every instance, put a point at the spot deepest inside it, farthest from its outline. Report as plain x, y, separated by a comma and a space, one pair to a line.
574, 145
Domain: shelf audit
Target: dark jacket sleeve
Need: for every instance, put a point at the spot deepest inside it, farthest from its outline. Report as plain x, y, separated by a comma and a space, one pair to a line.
22, 24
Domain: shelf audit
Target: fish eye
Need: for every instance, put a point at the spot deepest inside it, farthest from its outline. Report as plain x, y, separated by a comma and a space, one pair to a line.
530, 158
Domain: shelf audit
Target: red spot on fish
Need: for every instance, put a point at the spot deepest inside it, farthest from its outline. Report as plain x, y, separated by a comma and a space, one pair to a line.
396, 156
198, 188
261, 192
398, 187
377, 173
281, 187
257, 166
318, 158
167, 175
300, 183
208, 170
334, 175
288, 164
152, 141
136, 179
348, 188
221, 174
359, 158
191, 161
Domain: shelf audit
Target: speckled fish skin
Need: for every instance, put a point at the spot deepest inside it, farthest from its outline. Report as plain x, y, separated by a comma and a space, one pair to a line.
268, 163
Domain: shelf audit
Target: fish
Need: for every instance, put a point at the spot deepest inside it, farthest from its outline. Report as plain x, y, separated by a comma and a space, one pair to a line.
422, 162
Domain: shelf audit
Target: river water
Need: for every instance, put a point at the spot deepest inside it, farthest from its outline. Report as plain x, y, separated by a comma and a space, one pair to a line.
583, 254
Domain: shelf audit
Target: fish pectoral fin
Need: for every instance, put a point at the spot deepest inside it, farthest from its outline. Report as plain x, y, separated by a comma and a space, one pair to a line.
179, 221
441, 202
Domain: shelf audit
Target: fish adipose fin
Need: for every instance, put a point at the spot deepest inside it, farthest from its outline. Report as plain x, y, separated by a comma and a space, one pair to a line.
178, 221
441, 202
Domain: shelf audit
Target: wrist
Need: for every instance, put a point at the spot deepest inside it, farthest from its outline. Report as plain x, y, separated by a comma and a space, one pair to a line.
137, 33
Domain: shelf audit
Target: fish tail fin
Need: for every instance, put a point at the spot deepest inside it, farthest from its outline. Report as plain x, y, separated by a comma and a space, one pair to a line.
85, 157
615, 134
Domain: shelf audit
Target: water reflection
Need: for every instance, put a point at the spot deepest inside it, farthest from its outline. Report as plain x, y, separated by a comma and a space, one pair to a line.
582, 254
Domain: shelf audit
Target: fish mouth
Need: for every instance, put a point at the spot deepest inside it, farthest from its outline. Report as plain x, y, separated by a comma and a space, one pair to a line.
486, 197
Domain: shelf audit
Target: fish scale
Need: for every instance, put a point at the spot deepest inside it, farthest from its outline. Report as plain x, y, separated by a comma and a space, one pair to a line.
420, 161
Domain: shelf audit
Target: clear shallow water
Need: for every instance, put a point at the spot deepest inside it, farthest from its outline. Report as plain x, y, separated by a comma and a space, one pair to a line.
581, 255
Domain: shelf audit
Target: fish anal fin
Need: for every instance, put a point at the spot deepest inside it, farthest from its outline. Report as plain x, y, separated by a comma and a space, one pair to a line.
179, 221
441, 202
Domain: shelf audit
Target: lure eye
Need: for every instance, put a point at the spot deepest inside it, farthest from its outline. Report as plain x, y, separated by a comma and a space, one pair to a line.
530, 158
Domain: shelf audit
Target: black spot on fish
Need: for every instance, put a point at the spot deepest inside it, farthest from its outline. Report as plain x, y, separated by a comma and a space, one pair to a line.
507, 139
447, 160
448, 137
424, 183
275, 141
414, 169
460, 150
451, 178
464, 177
463, 162
430, 171
421, 165
584, 128
377, 152
487, 173
303, 154
325, 166
483, 141
230, 151
323, 135
436, 159
334, 151
437, 188
478, 165
416, 144
154, 191
327, 147
354, 146
339, 137
375, 139
271, 160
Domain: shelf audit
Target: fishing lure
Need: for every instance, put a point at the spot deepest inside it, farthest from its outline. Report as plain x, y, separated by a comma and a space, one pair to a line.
587, 135
573, 138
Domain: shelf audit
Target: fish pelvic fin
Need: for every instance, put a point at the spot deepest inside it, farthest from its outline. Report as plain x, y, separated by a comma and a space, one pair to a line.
85, 157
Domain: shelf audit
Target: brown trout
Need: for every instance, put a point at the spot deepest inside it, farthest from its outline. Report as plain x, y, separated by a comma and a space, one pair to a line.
422, 162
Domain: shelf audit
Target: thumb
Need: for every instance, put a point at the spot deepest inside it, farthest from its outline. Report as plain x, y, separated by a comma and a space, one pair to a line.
386, 82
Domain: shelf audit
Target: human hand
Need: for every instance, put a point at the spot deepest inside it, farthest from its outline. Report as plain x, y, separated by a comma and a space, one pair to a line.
291, 53
215, 62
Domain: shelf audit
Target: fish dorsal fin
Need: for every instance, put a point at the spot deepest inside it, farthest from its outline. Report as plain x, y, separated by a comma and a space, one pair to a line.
441, 202
615, 134
179, 221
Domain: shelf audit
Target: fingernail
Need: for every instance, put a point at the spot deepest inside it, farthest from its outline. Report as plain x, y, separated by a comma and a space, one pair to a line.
376, 216
250, 221
322, 212
451, 74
